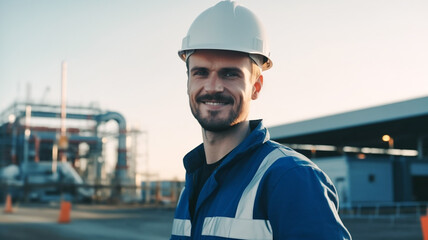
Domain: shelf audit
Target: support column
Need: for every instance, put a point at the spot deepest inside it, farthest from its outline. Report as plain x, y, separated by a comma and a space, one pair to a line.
420, 147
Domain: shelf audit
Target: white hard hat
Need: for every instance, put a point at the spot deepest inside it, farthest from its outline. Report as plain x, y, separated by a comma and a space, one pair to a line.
228, 26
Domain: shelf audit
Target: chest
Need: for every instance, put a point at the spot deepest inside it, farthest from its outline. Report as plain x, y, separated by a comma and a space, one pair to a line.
223, 193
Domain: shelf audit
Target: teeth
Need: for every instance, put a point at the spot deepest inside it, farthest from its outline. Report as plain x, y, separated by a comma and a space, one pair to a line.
213, 103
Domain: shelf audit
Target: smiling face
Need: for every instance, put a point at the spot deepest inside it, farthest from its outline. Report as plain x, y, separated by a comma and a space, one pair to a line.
221, 85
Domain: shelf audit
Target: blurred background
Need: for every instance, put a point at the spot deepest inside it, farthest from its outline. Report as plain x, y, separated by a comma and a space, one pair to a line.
94, 110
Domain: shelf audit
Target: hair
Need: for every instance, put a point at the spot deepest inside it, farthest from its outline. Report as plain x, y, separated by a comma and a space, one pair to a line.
256, 70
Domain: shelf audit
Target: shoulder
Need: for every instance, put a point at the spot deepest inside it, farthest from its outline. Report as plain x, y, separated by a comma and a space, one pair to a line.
293, 177
286, 158
293, 193
290, 166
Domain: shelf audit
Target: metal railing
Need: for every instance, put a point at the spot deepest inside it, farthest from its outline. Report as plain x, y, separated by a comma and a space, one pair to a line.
385, 209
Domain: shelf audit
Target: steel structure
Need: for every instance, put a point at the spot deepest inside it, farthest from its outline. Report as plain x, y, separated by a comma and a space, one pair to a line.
30, 133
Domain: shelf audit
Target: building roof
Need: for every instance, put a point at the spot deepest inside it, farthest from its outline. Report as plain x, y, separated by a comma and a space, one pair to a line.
405, 122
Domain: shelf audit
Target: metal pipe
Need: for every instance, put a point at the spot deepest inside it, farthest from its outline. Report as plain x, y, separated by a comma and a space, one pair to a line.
121, 167
36, 148
63, 97
27, 132
420, 147
63, 134
14, 140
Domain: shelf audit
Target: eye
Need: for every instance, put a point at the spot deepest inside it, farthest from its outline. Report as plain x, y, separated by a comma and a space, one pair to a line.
199, 72
231, 75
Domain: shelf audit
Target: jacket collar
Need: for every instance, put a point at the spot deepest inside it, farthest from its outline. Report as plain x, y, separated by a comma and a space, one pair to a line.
259, 135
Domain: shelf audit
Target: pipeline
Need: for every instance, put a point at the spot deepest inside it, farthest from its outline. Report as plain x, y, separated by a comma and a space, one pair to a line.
121, 166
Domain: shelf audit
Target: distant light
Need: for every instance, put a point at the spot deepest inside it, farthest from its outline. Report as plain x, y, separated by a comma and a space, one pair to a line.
361, 152
12, 118
325, 148
410, 153
311, 147
386, 138
396, 152
368, 150
351, 149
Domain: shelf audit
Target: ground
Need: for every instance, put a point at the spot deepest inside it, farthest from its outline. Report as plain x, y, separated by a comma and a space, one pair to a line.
35, 221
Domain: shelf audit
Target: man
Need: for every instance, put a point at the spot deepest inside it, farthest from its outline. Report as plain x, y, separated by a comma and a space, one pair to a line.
239, 184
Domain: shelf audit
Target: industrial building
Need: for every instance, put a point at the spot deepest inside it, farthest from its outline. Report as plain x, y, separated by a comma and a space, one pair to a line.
373, 155
42, 144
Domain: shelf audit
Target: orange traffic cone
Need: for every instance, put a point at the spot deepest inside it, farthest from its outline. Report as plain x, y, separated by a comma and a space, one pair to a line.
424, 225
8, 205
64, 214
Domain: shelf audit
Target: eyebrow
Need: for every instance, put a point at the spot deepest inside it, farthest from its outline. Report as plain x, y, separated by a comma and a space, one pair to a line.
198, 69
226, 69
230, 69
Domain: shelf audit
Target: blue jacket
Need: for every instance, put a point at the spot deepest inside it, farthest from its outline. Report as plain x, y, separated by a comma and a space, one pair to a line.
261, 190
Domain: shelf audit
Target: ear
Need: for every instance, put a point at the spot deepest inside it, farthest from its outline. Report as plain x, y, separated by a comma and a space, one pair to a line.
187, 82
257, 86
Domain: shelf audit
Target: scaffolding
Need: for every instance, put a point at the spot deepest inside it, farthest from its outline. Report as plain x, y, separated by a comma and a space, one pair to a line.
34, 134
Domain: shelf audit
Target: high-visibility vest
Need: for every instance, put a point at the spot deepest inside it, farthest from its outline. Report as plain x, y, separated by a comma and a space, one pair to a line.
243, 225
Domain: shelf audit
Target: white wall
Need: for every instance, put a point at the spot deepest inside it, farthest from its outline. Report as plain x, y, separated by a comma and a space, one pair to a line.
371, 180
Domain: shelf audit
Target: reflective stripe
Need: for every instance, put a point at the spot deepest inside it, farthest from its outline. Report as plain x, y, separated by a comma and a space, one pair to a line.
255, 229
181, 227
180, 196
243, 226
246, 203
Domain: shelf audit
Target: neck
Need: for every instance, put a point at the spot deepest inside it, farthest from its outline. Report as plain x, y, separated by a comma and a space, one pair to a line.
218, 144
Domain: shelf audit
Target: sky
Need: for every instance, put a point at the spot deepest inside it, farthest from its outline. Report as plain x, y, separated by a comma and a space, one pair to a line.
329, 57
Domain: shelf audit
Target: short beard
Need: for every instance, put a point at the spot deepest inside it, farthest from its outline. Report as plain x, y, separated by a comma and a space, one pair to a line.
209, 124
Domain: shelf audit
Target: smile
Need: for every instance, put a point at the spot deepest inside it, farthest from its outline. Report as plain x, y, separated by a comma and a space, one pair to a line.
215, 103
215, 100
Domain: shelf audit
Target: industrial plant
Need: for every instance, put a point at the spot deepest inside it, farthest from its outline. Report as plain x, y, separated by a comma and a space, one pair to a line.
34, 149
51, 152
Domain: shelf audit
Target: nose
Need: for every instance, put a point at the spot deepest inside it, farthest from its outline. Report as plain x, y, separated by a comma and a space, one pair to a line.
214, 84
